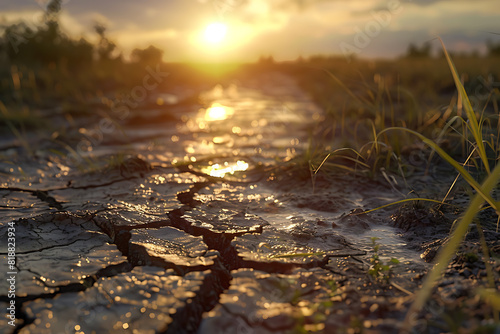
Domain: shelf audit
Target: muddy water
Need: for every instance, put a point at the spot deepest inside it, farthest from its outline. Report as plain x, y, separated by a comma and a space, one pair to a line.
270, 122
184, 231
264, 124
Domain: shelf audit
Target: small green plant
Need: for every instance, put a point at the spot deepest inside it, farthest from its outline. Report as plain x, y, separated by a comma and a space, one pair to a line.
471, 257
379, 269
312, 316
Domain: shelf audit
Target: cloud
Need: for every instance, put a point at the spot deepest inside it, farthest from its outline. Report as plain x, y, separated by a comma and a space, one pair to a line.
284, 28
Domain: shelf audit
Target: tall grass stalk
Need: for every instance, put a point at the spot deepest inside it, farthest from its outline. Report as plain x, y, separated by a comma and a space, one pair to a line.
472, 123
465, 174
6, 117
483, 194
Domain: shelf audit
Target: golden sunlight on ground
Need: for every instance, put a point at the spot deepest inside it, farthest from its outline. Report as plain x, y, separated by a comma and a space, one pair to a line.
218, 170
217, 112
215, 32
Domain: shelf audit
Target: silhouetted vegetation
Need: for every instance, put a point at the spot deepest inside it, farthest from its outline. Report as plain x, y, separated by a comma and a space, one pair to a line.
493, 48
149, 56
419, 52
42, 61
45, 45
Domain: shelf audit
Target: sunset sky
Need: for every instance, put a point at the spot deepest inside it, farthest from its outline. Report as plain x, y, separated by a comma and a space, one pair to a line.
284, 29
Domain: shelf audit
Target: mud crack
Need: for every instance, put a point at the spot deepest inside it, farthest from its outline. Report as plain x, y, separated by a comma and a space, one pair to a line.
42, 195
188, 319
85, 284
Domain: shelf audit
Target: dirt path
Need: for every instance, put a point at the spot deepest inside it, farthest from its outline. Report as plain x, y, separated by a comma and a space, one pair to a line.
188, 233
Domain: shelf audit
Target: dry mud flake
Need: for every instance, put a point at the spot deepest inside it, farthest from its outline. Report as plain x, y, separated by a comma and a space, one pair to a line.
258, 302
56, 250
153, 195
222, 217
303, 248
144, 301
227, 209
112, 220
305, 301
16, 204
253, 197
169, 247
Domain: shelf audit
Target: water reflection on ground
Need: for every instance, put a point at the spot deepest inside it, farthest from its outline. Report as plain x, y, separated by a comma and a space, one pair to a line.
183, 187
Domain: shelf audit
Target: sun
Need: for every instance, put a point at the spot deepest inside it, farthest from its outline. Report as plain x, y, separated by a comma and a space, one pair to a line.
215, 32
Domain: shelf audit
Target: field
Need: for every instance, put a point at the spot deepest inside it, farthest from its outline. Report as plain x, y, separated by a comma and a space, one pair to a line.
320, 195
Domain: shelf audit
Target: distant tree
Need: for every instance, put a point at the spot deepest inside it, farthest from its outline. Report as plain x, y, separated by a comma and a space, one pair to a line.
52, 10
25, 45
317, 59
3, 51
105, 47
475, 53
79, 53
45, 45
493, 48
51, 18
414, 51
13, 36
451, 53
149, 56
263, 60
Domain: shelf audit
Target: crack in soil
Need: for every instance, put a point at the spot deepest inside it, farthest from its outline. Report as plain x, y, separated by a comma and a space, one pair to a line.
86, 283
42, 195
48, 247
189, 317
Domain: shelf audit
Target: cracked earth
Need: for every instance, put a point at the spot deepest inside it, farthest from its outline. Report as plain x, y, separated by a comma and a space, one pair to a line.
189, 233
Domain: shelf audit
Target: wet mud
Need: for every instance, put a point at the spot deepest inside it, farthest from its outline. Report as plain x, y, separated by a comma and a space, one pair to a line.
175, 224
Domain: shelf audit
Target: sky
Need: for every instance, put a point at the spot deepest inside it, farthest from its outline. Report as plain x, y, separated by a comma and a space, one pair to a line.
284, 29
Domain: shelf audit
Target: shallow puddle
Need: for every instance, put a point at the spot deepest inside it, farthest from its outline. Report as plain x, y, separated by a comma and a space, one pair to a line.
242, 121
241, 126
391, 244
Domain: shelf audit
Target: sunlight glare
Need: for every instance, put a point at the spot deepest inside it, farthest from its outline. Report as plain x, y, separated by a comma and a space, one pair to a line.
217, 112
218, 170
215, 32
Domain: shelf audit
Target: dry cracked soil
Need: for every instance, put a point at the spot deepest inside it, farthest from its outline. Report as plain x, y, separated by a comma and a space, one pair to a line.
192, 229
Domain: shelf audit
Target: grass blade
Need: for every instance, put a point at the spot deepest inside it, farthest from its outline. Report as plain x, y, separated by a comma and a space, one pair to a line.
471, 115
399, 202
491, 296
454, 163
